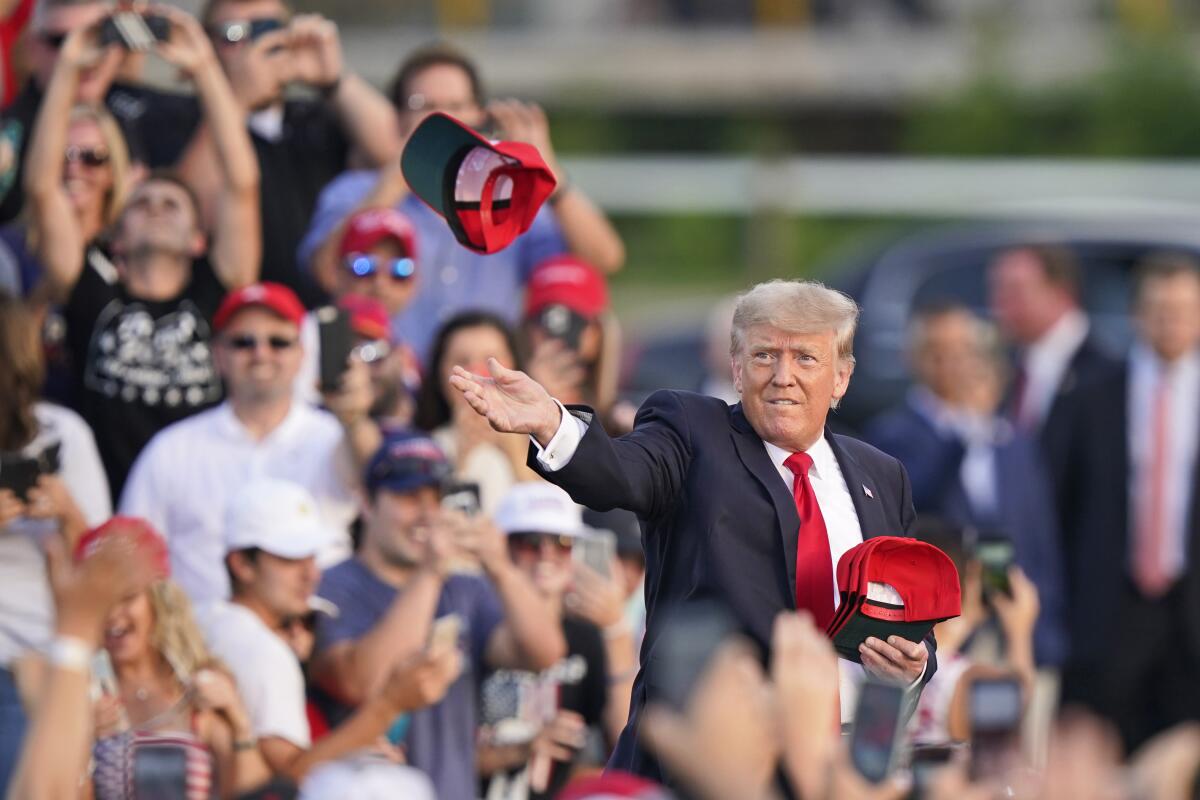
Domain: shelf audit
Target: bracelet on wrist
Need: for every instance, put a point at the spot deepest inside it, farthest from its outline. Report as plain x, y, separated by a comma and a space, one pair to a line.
330, 89
562, 189
617, 630
243, 745
70, 653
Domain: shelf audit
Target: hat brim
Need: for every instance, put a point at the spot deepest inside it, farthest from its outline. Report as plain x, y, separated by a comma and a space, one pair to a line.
303, 543
433, 151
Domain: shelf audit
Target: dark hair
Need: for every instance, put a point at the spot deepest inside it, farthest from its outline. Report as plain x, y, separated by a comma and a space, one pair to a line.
22, 372
251, 555
432, 55
1058, 263
433, 409
1163, 264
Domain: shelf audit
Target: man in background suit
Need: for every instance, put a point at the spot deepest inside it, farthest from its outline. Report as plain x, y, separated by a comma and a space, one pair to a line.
751, 505
1133, 526
1034, 298
970, 465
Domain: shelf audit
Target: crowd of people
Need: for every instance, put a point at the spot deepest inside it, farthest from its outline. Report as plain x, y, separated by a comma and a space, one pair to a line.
449, 568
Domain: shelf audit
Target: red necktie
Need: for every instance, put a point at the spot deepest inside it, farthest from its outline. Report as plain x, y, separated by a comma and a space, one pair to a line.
814, 566
1148, 570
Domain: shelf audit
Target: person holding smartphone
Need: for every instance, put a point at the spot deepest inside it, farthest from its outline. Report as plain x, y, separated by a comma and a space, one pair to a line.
536, 727
56, 505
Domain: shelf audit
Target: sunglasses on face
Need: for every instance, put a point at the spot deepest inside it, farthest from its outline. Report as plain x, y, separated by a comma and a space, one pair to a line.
53, 39
248, 342
88, 156
364, 266
533, 542
244, 30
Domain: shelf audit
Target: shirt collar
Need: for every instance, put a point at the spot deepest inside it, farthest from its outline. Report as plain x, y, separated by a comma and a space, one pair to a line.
230, 426
1062, 340
1146, 364
824, 461
267, 123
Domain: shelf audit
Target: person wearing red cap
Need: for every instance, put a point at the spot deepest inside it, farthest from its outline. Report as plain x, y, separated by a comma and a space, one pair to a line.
751, 506
138, 312
184, 479
440, 78
572, 339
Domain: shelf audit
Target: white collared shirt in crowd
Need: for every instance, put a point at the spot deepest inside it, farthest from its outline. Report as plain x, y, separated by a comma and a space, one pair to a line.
1183, 435
1045, 363
184, 479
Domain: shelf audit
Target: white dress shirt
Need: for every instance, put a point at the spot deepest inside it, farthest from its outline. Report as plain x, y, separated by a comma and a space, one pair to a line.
1183, 434
833, 497
183, 480
1045, 362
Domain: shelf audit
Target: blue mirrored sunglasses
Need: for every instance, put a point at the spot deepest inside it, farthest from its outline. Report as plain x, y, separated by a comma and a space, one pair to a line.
363, 266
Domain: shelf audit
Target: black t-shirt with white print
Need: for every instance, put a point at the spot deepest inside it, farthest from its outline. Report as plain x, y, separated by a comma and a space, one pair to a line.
143, 364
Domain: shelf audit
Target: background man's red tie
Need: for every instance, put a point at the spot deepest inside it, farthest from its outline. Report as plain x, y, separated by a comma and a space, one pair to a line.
814, 565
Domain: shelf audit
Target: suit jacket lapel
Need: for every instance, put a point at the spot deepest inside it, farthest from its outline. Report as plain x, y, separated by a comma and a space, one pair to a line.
753, 453
863, 492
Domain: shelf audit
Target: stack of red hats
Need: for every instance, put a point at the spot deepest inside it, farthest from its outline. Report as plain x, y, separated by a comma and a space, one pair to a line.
892, 586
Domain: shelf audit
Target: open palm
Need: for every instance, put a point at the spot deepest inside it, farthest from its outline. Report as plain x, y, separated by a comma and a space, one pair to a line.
511, 401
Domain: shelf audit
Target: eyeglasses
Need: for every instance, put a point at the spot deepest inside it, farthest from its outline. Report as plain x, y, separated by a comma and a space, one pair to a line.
244, 30
533, 542
53, 39
88, 156
362, 265
248, 342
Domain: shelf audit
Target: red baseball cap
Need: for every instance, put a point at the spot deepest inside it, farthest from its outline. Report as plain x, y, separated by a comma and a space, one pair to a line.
371, 226
368, 316
567, 281
488, 192
613, 784
273, 296
144, 535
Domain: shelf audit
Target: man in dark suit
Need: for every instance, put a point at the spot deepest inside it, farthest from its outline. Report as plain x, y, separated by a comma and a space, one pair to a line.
1034, 298
751, 505
967, 463
1133, 521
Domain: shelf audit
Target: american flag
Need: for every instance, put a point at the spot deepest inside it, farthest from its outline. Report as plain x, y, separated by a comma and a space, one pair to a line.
153, 766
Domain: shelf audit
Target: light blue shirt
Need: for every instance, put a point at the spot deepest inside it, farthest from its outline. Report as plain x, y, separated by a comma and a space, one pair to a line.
450, 277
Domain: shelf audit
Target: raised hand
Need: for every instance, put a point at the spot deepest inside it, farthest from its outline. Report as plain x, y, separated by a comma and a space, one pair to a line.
188, 48
525, 122
511, 401
804, 670
423, 678
316, 51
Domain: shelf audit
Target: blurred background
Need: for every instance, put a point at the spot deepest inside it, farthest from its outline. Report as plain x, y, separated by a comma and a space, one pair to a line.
885, 146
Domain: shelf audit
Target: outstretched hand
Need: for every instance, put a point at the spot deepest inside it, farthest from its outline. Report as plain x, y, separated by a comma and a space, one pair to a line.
510, 400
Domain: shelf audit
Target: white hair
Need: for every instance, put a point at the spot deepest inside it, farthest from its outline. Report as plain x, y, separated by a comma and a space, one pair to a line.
797, 307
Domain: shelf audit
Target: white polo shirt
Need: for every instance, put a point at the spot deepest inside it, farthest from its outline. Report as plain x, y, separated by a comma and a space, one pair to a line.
184, 479
268, 675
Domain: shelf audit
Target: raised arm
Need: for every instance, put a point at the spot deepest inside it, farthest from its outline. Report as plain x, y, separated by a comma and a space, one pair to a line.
588, 232
367, 118
60, 240
236, 248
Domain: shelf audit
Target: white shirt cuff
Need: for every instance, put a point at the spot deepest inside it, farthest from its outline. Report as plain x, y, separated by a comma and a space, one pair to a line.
924, 669
561, 448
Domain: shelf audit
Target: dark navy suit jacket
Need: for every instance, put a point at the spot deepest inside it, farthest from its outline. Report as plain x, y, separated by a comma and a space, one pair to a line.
718, 523
1025, 514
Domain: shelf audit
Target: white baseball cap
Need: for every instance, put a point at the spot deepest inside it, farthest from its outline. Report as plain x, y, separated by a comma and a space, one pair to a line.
279, 517
539, 507
366, 778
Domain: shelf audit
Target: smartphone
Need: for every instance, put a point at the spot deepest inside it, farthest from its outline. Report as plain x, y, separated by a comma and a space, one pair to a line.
19, 473
445, 631
104, 680
878, 725
160, 772
462, 497
690, 636
994, 707
924, 763
995, 553
596, 550
135, 31
336, 341
560, 322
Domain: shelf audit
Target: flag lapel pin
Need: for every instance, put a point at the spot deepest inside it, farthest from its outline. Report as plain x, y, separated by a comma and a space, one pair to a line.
868, 492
